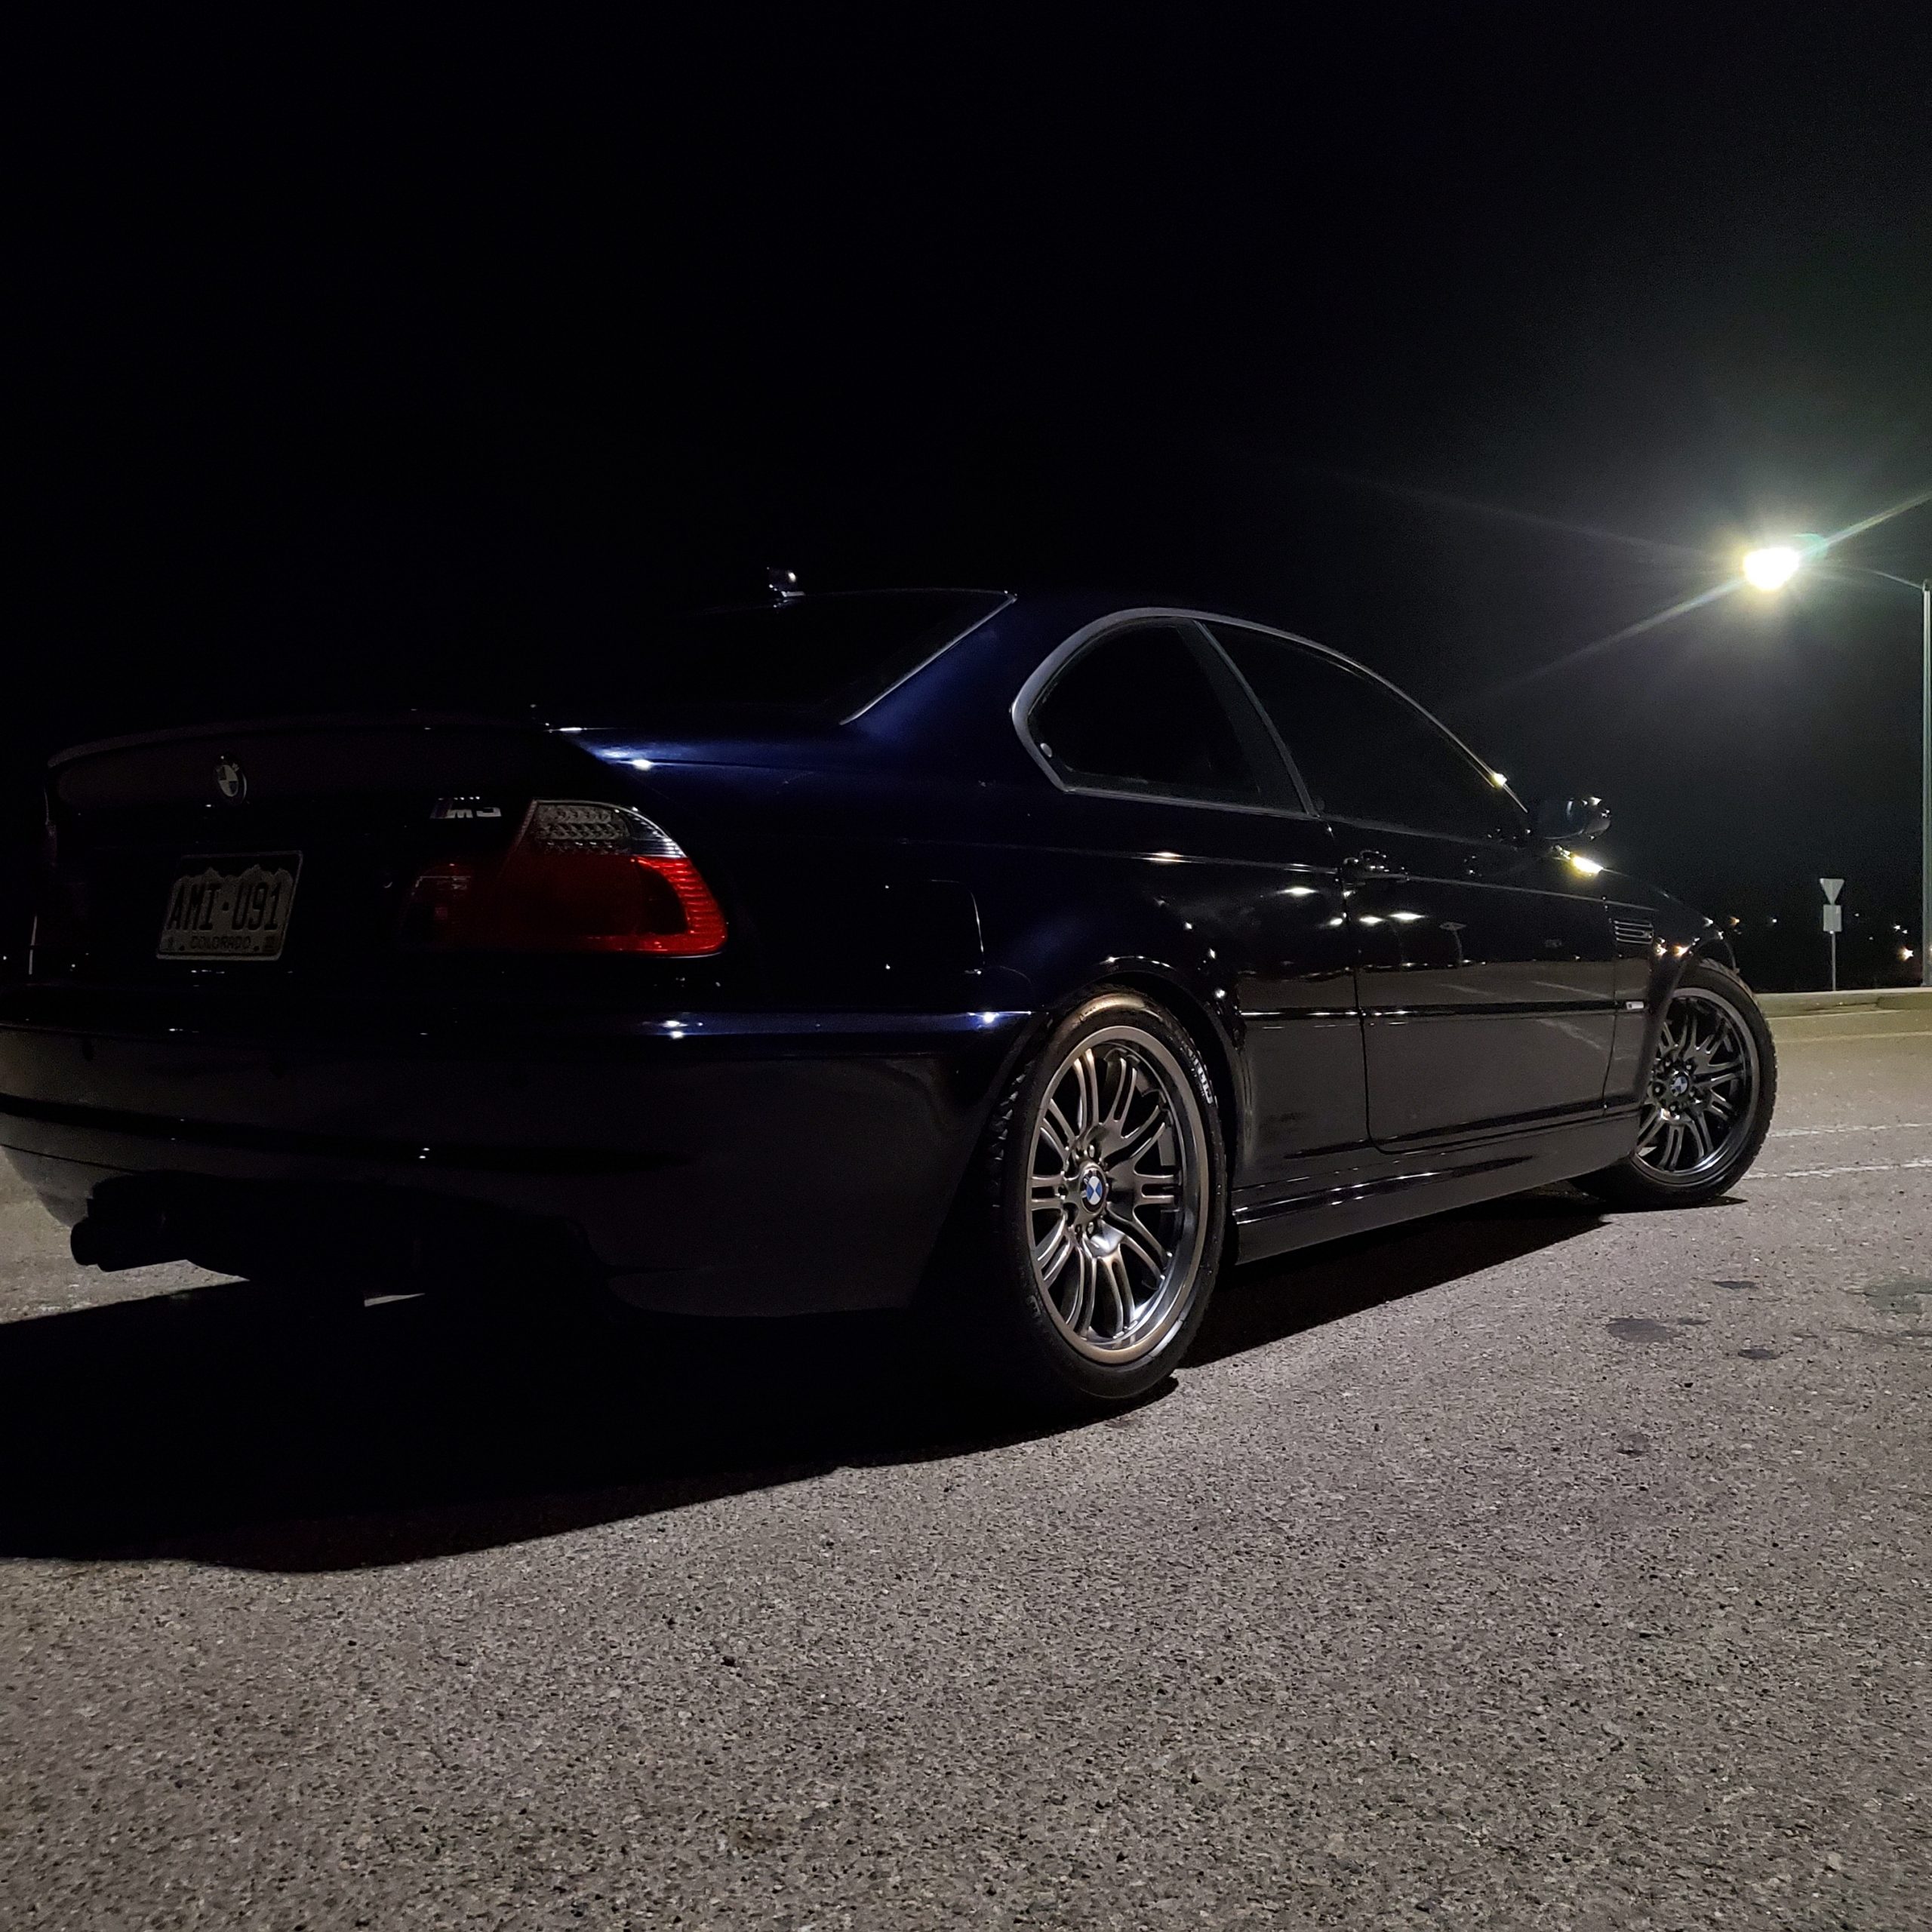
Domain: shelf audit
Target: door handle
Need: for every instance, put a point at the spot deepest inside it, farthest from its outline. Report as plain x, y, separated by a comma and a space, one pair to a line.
1361, 867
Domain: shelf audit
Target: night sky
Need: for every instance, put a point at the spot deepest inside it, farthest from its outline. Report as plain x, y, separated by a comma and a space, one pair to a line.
1458, 338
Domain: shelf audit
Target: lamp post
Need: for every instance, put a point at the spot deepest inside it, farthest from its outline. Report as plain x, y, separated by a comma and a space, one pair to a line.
1770, 568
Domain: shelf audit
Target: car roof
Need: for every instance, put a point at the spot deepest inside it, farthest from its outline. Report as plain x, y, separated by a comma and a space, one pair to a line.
962, 707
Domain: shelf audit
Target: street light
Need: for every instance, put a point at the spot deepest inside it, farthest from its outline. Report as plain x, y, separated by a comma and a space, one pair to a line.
1770, 567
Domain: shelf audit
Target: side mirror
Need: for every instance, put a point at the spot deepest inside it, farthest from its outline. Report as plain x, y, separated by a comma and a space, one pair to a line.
1571, 821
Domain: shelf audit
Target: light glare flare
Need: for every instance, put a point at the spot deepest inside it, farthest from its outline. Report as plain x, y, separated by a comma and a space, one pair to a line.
1772, 568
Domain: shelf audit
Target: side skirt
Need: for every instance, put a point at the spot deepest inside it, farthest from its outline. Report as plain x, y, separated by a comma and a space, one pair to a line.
1432, 1182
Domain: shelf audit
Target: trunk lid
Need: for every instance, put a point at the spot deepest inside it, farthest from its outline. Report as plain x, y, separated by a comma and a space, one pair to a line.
341, 812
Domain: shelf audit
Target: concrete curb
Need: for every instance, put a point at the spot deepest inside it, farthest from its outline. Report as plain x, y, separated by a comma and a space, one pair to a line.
1883, 999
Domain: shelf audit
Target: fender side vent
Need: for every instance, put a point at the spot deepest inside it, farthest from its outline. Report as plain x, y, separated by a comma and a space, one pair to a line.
1633, 932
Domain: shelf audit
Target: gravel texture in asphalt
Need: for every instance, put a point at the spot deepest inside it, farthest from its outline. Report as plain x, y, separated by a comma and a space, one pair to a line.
1532, 1566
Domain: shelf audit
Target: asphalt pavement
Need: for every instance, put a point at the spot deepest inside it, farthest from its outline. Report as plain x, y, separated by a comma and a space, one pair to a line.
1535, 1566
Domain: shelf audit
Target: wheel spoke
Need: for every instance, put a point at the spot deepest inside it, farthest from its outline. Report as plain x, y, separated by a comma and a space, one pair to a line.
1127, 1087
1156, 1191
1135, 1237
1120, 1164
1112, 1273
1087, 1079
1051, 1255
1700, 1137
1080, 1316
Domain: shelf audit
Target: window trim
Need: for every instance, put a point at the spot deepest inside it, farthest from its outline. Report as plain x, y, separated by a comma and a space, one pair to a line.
1230, 691
1252, 700
1485, 771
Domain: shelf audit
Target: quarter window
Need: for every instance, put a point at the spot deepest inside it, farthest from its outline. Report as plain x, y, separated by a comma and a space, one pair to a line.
1138, 712
1364, 750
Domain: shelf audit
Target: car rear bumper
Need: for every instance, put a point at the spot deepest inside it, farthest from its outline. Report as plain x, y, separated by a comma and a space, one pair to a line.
705, 1163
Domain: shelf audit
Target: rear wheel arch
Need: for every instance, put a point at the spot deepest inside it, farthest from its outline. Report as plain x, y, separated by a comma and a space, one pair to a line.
1152, 952
1218, 1053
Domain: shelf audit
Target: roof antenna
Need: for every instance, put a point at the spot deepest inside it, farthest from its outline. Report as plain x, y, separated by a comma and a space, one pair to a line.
783, 584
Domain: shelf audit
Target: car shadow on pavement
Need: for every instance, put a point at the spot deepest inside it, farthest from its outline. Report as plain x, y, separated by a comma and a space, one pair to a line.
225, 1425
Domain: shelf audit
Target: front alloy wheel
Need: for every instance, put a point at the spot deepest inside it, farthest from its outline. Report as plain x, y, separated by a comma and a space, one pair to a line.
1703, 1090
1707, 1106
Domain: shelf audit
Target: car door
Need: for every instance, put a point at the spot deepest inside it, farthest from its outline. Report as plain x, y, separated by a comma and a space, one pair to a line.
1485, 959
1176, 782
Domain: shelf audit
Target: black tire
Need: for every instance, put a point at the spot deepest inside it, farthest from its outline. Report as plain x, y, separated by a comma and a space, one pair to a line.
998, 1315
1667, 1170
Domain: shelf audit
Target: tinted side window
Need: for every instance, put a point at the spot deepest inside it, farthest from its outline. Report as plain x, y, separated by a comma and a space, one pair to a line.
1138, 712
1365, 751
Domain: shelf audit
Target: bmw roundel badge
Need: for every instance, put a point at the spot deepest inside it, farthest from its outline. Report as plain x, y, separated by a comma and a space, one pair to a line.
230, 780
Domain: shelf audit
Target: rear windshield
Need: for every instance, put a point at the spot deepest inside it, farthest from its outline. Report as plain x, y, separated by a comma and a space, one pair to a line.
827, 656
817, 660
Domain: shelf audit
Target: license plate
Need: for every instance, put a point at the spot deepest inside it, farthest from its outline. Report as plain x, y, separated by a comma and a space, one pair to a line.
230, 907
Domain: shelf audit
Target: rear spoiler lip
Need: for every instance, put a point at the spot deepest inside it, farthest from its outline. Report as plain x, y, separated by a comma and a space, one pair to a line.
237, 728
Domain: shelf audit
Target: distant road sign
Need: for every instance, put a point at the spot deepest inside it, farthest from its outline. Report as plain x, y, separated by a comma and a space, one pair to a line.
1834, 921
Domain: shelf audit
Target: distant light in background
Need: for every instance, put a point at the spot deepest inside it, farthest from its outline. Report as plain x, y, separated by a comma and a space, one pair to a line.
1773, 566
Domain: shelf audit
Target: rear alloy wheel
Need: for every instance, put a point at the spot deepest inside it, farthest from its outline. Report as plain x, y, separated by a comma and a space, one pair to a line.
1106, 1180
1708, 1105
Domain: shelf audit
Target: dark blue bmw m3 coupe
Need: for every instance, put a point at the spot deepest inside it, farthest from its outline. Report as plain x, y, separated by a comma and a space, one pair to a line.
1028, 960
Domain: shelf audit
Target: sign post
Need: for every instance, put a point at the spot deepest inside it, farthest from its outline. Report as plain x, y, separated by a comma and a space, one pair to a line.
1834, 921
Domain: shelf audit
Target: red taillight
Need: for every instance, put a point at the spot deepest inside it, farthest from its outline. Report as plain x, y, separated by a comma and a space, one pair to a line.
581, 877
